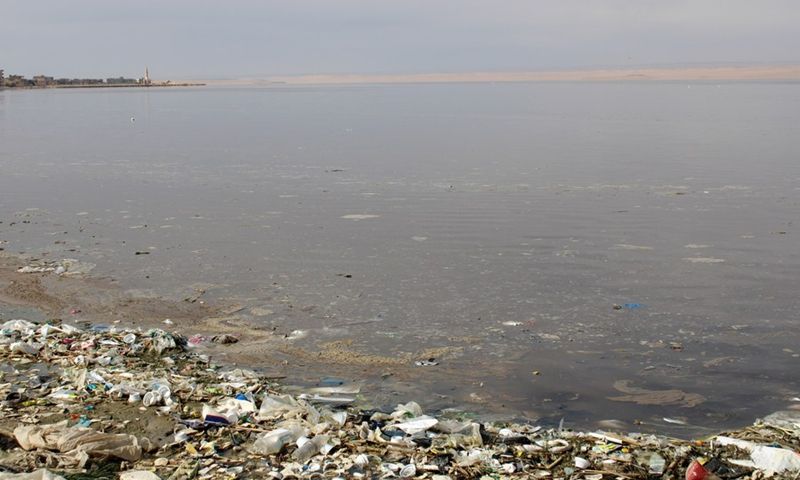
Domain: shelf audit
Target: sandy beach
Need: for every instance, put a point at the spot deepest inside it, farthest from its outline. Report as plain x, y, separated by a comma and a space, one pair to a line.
663, 74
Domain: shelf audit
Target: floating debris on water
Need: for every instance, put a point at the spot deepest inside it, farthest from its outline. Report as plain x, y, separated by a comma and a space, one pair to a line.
625, 246
643, 396
703, 260
66, 267
359, 216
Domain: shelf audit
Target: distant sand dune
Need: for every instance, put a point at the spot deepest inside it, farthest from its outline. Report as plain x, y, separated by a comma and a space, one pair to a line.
790, 72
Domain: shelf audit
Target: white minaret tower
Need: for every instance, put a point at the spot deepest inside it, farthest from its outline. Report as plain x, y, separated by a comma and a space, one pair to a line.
146, 79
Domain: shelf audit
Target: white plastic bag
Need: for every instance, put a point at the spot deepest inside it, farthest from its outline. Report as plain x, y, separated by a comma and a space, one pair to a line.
41, 474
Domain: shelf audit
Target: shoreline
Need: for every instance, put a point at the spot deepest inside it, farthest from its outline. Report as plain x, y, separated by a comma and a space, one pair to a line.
766, 73
649, 74
89, 402
182, 84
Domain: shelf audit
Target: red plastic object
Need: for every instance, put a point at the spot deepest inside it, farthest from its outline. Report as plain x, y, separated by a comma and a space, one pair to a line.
696, 472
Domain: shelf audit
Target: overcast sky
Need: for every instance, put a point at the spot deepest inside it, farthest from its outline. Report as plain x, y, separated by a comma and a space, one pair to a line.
237, 38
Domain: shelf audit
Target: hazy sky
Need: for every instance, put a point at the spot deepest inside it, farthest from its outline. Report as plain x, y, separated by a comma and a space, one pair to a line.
234, 38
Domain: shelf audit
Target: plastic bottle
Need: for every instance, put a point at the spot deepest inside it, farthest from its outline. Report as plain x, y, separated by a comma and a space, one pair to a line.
274, 441
308, 448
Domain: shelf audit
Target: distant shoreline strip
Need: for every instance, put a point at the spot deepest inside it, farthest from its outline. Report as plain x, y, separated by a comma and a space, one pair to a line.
765, 73
34, 87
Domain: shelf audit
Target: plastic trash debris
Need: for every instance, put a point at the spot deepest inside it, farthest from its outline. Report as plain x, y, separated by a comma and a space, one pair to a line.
655, 463
408, 410
274, 441
219, 418
151, 399
159, 394
277, 406
229, 410
307, 448
416, 425
25, 348
62, 438
430, 362
362, 460
210, 422
339, 418
138, 475
472, 457
40, 474
788, 420
581, 463
238, 377
67, 266
63, 394
297, 334
675, 421
458, 435
769, 459
697, 471
326, 400
345, 389
21, 326
408, 471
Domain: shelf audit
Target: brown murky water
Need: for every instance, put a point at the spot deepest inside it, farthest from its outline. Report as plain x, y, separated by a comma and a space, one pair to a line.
490, 227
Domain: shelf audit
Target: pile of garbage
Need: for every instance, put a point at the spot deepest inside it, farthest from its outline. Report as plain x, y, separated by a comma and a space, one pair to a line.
65, 392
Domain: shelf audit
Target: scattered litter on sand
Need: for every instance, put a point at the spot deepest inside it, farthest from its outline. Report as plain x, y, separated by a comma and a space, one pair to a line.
82, 403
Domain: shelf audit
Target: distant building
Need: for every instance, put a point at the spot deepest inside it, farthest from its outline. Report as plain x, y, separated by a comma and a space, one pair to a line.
65, 81
79, 81
18, 81
120, 81
146, 79
42, 81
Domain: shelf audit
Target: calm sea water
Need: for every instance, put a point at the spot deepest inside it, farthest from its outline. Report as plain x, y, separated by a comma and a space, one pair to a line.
495, 225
